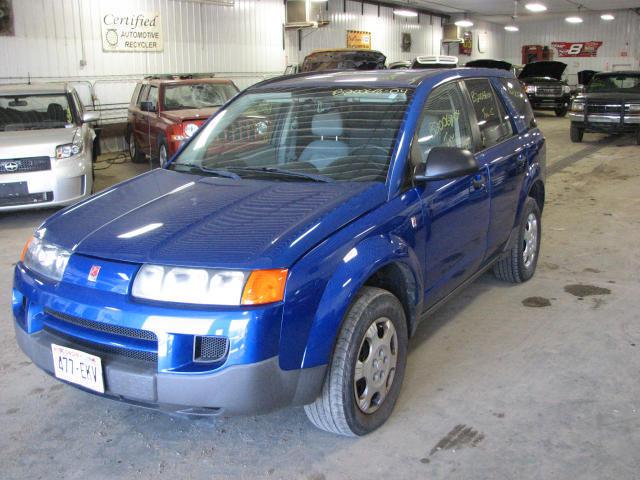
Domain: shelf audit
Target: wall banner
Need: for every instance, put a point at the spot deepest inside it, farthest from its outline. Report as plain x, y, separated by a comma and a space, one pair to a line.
131, 31
358, 39
577, 49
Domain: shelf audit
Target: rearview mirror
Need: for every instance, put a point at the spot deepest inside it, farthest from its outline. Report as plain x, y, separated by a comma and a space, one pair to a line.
147, 107
89, 117
448, 162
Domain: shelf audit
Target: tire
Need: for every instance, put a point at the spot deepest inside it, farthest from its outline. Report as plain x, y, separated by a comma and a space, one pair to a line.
561, 112
163, 156
577, 133
336, 409
134, 152
517, 265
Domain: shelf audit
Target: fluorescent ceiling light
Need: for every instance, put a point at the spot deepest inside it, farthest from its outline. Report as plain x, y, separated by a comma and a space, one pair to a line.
535, 7
464, 23
511, 28
573, 19
607, 16
402, 12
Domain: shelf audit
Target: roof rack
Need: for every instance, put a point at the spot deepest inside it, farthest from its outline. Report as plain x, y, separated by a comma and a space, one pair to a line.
179, 76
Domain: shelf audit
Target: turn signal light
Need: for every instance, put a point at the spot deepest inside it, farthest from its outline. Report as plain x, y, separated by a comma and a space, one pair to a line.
264, 286
24, 250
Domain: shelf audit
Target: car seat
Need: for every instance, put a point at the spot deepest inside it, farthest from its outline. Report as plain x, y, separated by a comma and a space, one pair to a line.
329, 148
55, 112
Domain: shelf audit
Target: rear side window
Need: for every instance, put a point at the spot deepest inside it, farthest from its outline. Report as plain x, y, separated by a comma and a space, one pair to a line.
493, 120
444, 121
519, 100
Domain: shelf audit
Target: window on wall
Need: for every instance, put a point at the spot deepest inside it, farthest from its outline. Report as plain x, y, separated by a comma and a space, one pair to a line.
493, 120
519, 100
444, 122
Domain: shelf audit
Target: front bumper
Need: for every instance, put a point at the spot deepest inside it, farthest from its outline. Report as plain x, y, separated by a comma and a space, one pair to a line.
68, 181
238, 390
606, 123
549, 103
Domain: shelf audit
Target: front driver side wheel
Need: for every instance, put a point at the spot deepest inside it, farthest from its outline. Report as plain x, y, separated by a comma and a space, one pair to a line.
367, 368
562, 111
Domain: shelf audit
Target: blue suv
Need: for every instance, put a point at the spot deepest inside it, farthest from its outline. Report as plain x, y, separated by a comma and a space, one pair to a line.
287, 253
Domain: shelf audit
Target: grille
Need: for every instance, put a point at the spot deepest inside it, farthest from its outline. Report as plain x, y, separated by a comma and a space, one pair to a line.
210, 349
605, 109
549, 91
20, 165
142, 355
27, 199
104, 327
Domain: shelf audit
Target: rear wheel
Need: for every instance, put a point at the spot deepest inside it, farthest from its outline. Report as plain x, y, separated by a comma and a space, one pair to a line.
134, 153
367, 368
163, 157
519, 263
576, 133
562, 111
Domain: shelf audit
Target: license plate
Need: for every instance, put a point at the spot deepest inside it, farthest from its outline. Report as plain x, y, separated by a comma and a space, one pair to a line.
78, 367
15, 189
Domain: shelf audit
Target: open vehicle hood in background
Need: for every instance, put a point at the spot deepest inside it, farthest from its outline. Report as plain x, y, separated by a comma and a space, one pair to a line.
497, 64
585, 76
172, 218
543, 69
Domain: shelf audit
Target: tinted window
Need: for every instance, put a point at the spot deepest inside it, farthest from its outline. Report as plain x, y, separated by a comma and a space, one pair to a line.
444, 122
493, 120
339, 133
615, 83
519, 101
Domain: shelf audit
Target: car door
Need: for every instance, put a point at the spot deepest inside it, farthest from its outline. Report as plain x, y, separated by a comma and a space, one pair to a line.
140, 125
504, 154
456, 211
153, 119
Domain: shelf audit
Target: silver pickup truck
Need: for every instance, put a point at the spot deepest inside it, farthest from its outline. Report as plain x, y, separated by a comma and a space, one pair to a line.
46, 146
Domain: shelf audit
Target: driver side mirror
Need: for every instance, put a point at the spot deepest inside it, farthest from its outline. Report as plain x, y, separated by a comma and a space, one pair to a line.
90, 117
147, 107
448, 162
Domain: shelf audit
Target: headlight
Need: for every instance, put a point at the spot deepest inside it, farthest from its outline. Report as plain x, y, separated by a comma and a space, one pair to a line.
209, 287
45, 258
530, 89
69, 149
634, 107
190, 129
577, 106
566, 89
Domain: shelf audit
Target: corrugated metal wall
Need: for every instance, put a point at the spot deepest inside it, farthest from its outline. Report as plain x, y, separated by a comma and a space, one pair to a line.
386, 30
622, 34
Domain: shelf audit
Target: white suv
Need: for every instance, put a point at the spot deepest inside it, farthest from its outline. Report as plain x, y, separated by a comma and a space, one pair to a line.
46, 146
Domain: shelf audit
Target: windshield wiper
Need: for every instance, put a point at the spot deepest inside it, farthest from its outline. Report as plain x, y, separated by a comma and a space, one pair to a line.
284, 173
218, 172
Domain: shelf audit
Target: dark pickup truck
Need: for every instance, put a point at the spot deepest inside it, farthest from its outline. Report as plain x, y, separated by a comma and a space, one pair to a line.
610, 104
543, 83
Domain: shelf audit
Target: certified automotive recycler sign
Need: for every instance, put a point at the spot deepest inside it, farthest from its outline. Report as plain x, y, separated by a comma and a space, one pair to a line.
131, 31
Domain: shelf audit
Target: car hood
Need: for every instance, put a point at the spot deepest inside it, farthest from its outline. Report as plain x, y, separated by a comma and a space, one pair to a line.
34, 143
585, 76
543, 69
497, 64
190, 114
172, 218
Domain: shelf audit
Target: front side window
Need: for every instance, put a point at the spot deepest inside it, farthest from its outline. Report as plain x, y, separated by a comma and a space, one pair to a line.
153, 96
444, 122
199, 95
493, 121
615, 83
323, 133
35, 112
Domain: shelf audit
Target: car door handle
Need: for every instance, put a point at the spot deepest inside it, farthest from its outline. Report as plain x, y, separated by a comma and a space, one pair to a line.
521, 159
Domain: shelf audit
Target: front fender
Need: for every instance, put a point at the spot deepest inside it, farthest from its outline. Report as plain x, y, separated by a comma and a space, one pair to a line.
322, 285
535, 173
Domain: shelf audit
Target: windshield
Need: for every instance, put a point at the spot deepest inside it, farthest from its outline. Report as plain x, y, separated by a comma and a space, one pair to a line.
615, 83
332, 134
33, 112
198, 95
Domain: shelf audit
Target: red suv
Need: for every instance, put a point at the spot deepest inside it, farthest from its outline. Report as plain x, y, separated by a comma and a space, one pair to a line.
165, 111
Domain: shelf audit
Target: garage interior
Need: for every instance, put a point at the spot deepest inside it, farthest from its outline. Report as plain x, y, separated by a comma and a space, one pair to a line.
538, 380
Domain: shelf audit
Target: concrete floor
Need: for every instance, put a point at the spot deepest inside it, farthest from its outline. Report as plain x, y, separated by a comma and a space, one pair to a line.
496, 387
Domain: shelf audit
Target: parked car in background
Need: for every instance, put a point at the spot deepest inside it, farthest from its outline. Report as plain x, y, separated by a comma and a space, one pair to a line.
499, 64
46, 146
167, 110
544, 85
610, 104
402, 64
292, 269
344, 59
434, 61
